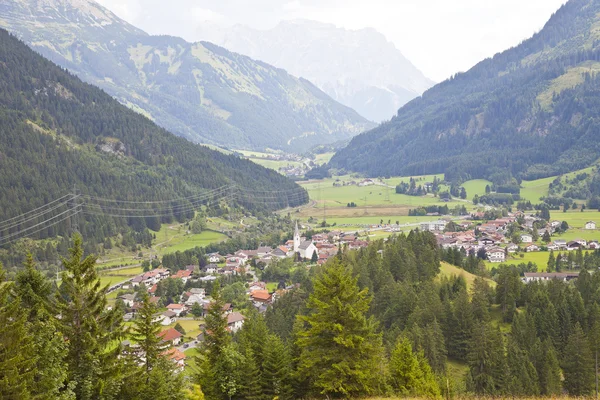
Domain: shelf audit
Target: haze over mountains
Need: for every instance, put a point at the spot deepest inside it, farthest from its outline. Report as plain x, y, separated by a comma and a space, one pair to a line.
199, 91
360, 69
531, 111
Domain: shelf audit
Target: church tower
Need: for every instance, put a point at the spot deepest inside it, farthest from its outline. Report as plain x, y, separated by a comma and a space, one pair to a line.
296, 238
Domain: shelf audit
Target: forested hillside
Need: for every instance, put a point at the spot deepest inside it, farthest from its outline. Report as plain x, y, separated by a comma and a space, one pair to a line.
531, 111
199, 91
58, 133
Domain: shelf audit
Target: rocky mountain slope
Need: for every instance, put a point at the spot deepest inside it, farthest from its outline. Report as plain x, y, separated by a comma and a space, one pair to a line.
529, 112
360, 69
199, 91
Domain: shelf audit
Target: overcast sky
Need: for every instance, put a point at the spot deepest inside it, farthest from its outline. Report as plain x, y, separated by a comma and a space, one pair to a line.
441, 37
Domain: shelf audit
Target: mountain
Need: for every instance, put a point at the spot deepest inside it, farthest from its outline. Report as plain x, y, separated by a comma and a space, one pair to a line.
360, 69
199, 91
532, 111
58, 132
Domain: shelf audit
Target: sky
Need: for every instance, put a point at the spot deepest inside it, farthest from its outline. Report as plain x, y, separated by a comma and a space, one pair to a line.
441, 37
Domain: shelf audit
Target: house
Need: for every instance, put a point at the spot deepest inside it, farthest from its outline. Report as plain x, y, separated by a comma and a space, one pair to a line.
594, 245
531, 248
260, 297
194, 299
436, 226
280, 252
211, 268
263, 251
307, 249
590, 225
496, 255
128, 299
176, 308
162, 319
183, 274
526, 238
546, 276
582, 242
171, 336
177, 357
486, 242
553, 246
512, 248
168, 317
235, 321
214, 258
135, 282
561, 243
573, 245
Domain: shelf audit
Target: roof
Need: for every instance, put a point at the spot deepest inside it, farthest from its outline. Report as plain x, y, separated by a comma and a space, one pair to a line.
261, 295
169, 314
305, 245
174, 306
130, 297
184, 273
174, 354
169, 335
264, 249
234, 317
551, 274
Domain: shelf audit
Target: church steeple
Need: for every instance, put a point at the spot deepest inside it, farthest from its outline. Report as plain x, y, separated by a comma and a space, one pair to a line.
296, 238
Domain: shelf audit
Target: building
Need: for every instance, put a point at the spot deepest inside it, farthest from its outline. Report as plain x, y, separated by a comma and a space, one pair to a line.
546, 276
532, 248
176, 308
436, 226
305, 248
590, 225
496, 255
526, 238
171, 336
128, 299
235, 321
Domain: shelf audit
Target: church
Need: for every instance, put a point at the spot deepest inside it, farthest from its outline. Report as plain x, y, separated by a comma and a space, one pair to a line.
306, 248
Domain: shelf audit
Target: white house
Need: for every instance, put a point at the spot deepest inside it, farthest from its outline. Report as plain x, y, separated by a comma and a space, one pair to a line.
512, 248
526, 238
306, 248
128, 299
546, 276
214, 258
496, 255
176, 308
590, 225
235, 321
531, 248
436, 226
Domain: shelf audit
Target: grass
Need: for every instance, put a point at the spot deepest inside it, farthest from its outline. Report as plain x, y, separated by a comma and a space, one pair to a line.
181, 241
272, 286
190, 361
450, 270
534, 190
191, 326
475, 187
323, 158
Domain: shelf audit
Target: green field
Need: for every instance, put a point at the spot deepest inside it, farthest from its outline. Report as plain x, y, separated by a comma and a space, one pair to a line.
191, 326
376, 219
175, 240
113, 277
450, 270
324, 158
533, 190
475, 187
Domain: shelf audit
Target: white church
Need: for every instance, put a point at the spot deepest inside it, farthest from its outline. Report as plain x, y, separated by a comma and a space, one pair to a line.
306, 248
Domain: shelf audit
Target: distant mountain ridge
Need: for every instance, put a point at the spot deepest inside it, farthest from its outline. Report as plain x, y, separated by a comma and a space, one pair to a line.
199, 91
532, 111
360, 69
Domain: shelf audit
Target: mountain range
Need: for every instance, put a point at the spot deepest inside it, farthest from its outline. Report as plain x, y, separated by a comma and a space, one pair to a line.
196, 90
359, 68
58, 132
529, 112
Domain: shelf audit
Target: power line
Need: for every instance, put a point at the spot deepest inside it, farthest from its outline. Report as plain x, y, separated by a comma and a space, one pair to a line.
3, 239
34, 210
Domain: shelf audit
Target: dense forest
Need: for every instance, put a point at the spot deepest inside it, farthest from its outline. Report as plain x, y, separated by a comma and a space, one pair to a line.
378, 321
199, 91
60, 136
529, 112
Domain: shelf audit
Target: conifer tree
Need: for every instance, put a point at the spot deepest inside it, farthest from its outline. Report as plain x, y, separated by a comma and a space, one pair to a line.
33, 290
340, 351
411, 375
89, 329
250, 377
461, 328
578, 364
487, 361
17, 362
551, 266
508, 290
277, 375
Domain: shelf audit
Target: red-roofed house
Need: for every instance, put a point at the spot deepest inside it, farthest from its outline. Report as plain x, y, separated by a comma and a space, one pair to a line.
177, 357
183, 274
171, 336
261, 296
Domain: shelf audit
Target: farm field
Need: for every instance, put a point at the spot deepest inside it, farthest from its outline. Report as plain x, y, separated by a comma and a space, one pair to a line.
185, 241
475, 187
324, 158
115, 276
537, 257
450, 270
191, 327
533, 190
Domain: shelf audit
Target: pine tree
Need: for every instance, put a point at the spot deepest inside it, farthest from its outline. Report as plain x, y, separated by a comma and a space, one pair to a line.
89, 329
578, 364
410, 374
486, 360
548, 369
33, 290
462, 327
523, 379
17, 362
340, 350
551, 266
250, 377
508, 290
277, 375
546, 237
481, 300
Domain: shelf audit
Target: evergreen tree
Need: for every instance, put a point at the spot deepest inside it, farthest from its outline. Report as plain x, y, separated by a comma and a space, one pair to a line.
547, 366
578, 364
340, 351
546, 237
410, 375
315, 257
33, 290
551, 266
277, 375
17, 362
461, 328
89, 329
508, 291
487, 361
